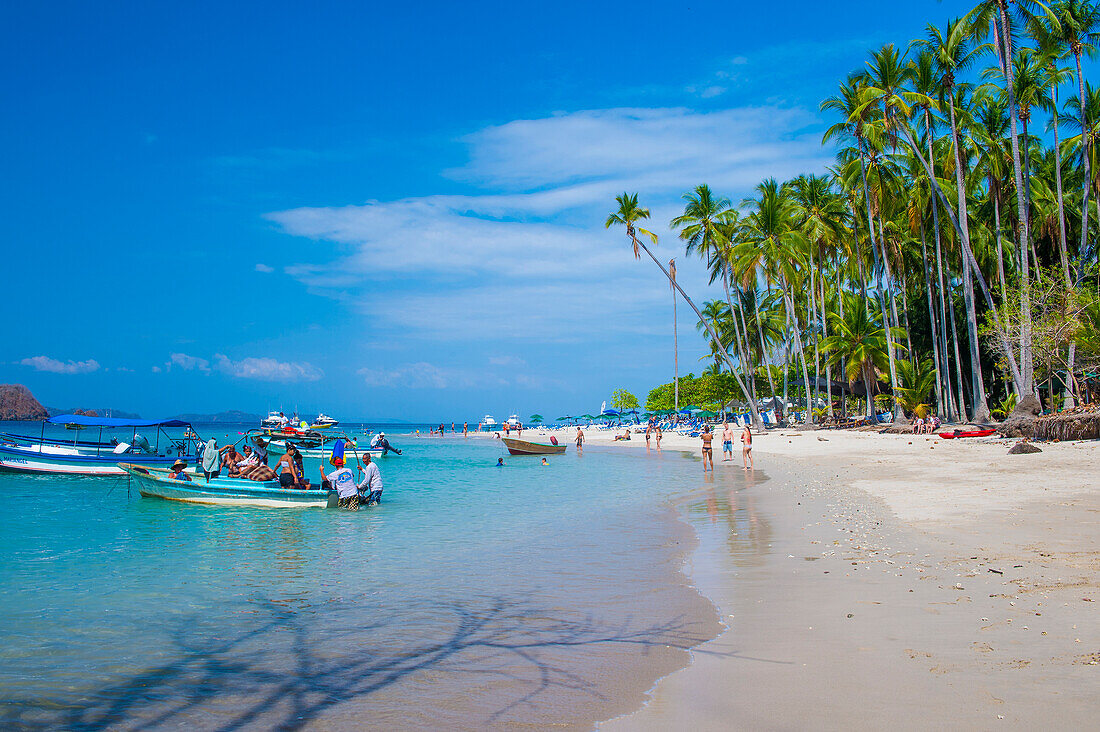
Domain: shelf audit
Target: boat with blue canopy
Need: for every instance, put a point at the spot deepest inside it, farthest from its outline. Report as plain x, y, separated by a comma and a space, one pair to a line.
156, 483
47, 455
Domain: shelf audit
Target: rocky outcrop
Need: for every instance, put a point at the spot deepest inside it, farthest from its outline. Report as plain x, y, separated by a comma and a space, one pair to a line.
17, 403
86, 412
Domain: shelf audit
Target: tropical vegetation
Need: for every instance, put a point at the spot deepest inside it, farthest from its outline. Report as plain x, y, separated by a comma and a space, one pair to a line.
947, 258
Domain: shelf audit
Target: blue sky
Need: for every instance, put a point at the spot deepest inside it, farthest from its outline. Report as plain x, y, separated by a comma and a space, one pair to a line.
382, 210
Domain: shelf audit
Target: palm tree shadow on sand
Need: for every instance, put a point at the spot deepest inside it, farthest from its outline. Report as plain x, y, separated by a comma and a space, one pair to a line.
289, 668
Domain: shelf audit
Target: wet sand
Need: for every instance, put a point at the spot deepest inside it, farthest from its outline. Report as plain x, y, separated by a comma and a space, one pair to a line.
870, 580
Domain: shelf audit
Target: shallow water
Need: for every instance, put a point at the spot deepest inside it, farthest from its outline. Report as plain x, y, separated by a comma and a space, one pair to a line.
473, 596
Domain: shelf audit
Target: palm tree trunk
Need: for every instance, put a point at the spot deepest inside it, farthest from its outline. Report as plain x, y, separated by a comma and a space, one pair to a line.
968, 257
958, 360
745, 333
825, 334
760, 336
675, 351
898, 415
1086, 141
1000, 254
745, 365
934, 328
1027, 374
788, 303
1064, 251
941, 333
977, 385
722, 349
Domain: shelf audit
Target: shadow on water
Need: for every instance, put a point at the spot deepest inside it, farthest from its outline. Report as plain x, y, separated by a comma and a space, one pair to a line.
290, 667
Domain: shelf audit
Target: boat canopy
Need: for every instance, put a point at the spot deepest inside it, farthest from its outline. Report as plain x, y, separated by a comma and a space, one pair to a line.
112, 422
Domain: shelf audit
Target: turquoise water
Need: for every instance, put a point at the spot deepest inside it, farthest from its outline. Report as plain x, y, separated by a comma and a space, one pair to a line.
473, 596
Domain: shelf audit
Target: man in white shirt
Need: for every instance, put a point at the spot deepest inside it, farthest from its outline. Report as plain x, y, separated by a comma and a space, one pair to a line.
371, 484
343, 482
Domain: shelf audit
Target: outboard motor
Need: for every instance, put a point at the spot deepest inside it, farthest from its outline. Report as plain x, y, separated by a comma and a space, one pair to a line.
142, 444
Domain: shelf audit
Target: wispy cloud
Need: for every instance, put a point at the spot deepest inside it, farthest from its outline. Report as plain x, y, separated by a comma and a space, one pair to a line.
267, 369
538, 235
266, 269
420, 375
54, 366
507, 361
186, 362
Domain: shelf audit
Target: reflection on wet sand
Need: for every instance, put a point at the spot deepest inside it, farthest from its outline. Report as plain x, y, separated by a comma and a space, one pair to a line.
730, 506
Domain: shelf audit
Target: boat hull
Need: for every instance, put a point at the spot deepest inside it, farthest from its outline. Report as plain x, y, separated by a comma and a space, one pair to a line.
523, 447
155, 483
26, 460
972, 433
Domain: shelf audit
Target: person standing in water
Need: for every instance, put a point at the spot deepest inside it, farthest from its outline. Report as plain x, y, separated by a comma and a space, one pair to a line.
580, 439
727, 442
465, 429
746, 448
708, 451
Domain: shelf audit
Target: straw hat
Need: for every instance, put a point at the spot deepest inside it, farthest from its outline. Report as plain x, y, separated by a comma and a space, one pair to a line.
179, 464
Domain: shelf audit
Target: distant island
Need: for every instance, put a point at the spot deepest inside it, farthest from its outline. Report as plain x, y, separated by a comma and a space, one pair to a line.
17, 403
105, 412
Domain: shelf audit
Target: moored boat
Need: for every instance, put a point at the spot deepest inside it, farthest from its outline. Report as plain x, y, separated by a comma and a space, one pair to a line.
968, 433
155, 483
523, 447
324, 422
26, 454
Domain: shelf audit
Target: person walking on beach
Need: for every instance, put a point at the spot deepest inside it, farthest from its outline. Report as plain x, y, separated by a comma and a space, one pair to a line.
746, 448
708, 451
580, 439
727, 442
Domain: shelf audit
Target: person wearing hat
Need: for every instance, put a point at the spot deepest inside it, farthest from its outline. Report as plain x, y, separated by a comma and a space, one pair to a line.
177, 471
381, 441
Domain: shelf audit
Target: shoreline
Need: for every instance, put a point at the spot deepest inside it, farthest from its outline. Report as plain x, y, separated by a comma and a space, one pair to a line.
866, 580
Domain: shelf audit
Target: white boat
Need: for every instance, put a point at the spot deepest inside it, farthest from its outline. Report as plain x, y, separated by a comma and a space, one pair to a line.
489, 422
513, 421
274, 418
323, 421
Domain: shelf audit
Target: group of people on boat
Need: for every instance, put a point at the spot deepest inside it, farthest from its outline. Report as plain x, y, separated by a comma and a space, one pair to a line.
252, 464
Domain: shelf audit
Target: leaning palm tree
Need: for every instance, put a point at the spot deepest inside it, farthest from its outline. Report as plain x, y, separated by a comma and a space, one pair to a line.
628, 215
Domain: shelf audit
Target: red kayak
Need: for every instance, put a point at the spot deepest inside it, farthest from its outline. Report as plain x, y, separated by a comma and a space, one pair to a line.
971, 433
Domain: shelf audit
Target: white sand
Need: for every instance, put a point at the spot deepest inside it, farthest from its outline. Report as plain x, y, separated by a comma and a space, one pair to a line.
854, 572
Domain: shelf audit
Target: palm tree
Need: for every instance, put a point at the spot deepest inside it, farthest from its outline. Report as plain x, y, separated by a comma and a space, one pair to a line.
917, 382
952, 54
1077, 26
703, 226
860, 343
770, 231
629, 214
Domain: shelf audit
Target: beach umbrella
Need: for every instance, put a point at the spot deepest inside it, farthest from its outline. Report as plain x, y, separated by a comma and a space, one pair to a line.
563, 419
707, 414
609, 413
536, 419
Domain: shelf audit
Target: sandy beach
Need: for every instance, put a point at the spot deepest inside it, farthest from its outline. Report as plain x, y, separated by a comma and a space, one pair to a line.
869, 579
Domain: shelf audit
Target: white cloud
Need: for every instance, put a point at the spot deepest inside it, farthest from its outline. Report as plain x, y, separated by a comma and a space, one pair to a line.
539, 237
52, 365
266, 269
187, 363
157, 369
421, 375
267, 369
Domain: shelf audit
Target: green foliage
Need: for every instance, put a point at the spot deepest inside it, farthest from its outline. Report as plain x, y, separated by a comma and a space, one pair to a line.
709, 391
623, 399
1005, 406
916, 387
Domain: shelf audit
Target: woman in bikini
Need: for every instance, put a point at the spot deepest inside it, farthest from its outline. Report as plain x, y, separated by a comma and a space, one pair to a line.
708, 451
746, 448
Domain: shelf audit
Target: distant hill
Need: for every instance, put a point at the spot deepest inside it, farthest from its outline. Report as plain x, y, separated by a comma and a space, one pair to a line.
114, 413
233, 416
17, 403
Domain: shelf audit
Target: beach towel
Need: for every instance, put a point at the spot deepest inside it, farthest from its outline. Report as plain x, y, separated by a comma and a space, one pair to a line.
337, 458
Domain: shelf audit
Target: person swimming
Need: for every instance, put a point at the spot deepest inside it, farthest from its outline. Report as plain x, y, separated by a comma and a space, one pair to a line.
500, 462
545, 461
